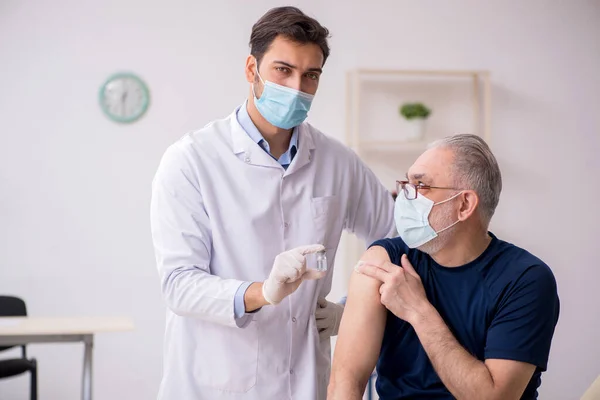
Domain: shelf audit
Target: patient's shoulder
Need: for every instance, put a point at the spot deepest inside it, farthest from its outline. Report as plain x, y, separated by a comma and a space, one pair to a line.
395, 247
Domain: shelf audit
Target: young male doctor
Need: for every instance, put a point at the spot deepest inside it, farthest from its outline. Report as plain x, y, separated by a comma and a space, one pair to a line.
236, 208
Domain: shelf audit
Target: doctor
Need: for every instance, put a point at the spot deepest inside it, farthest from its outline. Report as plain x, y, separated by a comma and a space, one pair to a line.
236, 208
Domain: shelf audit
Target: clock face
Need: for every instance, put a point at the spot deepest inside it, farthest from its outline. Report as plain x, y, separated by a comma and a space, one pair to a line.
124, 98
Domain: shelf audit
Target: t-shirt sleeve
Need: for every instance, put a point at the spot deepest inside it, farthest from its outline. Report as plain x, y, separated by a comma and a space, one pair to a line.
526, 316
395, 248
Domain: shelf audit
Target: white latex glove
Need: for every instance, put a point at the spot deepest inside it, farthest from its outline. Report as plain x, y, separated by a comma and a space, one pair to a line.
328, 316
289, 270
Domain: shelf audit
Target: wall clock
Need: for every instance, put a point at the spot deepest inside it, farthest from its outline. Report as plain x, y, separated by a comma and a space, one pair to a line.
124, 97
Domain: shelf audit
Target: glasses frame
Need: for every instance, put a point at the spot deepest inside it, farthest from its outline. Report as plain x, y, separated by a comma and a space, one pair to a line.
400, 186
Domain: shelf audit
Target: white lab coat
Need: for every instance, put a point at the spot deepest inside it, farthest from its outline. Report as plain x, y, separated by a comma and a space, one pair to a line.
222, 209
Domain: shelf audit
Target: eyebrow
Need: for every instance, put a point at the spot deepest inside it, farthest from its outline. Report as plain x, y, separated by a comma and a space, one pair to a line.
416, 176
319, 70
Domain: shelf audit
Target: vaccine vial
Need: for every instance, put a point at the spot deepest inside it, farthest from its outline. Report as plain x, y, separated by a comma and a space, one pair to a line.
321, 261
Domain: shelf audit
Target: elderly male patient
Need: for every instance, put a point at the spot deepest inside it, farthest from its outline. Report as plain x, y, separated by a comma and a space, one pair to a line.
447, 310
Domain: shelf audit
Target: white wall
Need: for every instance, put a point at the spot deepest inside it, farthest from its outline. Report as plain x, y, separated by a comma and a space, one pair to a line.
74, 187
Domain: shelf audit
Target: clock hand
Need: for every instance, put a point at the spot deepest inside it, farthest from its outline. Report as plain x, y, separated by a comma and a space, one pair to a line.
123, 99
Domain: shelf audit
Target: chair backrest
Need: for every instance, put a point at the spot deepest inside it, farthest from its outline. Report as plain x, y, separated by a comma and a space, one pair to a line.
11, 306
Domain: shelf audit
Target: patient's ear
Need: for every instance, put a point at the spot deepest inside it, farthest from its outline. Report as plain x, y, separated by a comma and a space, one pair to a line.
468, 205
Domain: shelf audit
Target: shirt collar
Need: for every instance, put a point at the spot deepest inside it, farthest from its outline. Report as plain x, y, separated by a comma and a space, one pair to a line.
246, 123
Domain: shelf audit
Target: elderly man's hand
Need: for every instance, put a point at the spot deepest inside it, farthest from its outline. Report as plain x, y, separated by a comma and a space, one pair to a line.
401, 291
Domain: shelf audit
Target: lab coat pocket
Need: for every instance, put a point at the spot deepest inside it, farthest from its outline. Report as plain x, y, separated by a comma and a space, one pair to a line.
228, 358
324, 211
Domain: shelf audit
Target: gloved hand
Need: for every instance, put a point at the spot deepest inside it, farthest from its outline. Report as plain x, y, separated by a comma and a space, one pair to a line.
289, 270
328, 316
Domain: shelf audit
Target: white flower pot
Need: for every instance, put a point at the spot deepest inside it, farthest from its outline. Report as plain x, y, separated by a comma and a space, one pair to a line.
415, 129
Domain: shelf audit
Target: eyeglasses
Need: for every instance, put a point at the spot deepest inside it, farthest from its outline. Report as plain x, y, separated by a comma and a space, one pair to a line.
411, 190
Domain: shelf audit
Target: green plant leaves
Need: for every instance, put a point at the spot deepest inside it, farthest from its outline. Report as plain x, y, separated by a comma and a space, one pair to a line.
414, 110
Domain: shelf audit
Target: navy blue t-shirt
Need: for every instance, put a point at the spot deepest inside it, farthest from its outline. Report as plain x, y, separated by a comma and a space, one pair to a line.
503, 305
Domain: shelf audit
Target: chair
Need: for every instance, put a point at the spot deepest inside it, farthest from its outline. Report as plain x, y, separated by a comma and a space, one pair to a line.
370, 385
15, 307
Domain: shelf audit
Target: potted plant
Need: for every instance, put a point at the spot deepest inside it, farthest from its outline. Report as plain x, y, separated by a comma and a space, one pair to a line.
415, 114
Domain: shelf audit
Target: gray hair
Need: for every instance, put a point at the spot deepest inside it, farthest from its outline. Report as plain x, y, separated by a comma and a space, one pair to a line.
475, 168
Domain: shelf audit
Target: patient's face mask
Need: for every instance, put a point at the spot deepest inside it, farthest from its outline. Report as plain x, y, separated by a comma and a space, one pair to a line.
412, 219
282, 106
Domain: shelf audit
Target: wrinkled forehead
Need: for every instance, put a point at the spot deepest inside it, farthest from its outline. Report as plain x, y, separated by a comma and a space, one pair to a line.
433, 167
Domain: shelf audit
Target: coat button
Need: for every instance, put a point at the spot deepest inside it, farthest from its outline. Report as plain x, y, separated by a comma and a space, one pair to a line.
294, 319
286, 225
291, 372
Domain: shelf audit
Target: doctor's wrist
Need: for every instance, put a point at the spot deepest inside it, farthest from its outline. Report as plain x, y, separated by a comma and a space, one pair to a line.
253, 298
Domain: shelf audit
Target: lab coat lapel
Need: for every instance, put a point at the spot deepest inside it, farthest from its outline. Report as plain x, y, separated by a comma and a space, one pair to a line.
306, 147
246, 149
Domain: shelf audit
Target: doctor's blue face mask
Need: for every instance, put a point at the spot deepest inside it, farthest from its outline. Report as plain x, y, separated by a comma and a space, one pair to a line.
282, 106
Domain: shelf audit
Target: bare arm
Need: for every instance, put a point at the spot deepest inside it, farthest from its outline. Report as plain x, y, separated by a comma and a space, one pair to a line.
360, 334
465, 376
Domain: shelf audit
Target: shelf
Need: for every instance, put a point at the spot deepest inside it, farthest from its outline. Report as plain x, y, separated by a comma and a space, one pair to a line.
364, 71
392, 146
460, 100
396, 86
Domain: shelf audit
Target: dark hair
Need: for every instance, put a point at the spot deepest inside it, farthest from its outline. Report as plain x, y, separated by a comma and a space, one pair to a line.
291, 23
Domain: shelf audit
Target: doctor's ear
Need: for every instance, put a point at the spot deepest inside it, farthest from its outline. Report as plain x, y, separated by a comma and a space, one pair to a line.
468, 205
250, 70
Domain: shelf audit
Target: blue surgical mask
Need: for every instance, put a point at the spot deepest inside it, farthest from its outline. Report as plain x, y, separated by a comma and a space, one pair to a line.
412, 219
282, 106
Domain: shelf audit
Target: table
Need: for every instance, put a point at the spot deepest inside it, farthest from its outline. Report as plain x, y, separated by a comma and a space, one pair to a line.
26, 330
